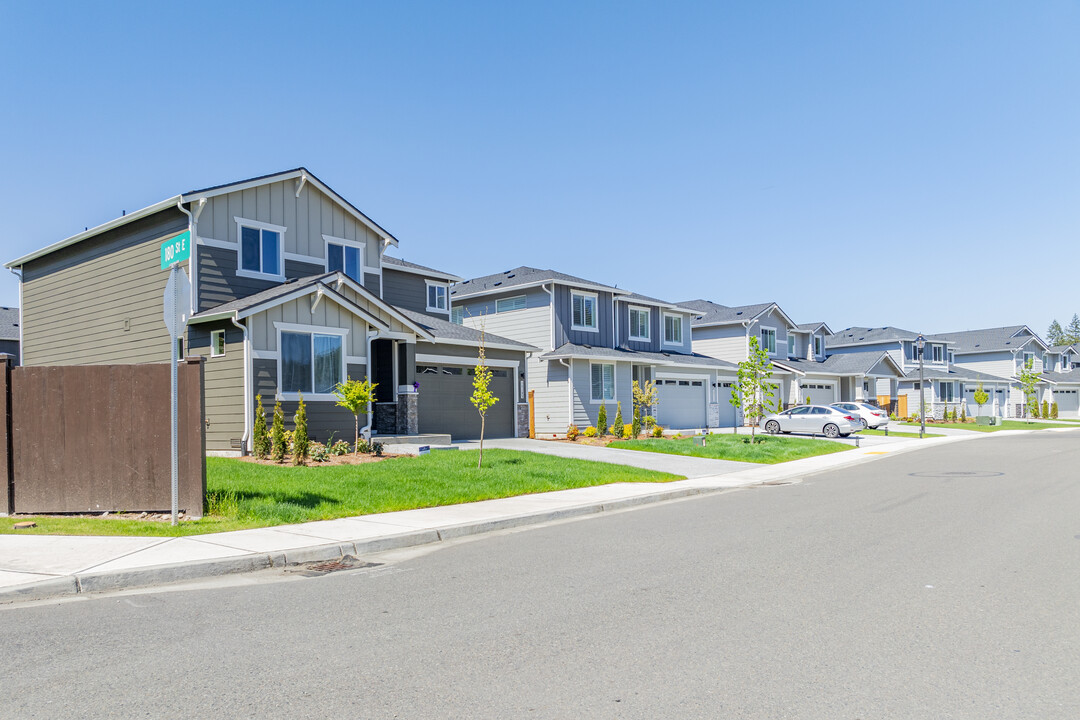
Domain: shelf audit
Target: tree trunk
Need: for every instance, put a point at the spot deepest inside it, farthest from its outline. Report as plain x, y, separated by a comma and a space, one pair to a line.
480, 461
356, 438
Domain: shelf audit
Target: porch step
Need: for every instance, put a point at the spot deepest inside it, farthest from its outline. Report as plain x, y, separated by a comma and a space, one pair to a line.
428, 439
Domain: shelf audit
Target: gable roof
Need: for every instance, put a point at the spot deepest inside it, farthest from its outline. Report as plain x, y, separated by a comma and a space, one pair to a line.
572, 350
410, 267
813, 328
1058, 349
523, 277
989, 339
302, 175
450, 333
710, 313
638, 297
869, 336
9, 323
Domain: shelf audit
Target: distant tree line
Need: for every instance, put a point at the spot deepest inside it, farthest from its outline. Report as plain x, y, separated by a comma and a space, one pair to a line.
1056, 335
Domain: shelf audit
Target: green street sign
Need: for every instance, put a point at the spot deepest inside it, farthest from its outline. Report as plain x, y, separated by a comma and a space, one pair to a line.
176, 250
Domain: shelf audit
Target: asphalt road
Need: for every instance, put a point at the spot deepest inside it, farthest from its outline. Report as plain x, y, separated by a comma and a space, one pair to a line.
865, 593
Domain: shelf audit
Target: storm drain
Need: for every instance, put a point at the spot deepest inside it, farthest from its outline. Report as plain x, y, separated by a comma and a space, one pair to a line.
325, 567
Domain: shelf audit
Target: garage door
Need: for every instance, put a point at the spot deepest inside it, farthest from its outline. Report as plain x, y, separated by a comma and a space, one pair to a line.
727, 410
819, 393
444, 406
681, 403
1068, 402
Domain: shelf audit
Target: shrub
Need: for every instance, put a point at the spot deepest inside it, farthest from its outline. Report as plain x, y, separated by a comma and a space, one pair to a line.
1053, 411
616, 427
590, 432
572, 432
963, 412
341, 447
319, 452
1033, 409
892, 416
1045, 409
627, 431
635, 425
657, 431
807, 399
363, 445
260, 443
277, 435
301, 444
376, 449
601, 421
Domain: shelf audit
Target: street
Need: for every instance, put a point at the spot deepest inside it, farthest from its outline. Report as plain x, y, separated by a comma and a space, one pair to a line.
942, 583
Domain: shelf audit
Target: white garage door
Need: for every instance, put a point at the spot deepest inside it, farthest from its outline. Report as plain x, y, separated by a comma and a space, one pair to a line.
681, 403
727, 410
819, 393
1068, 402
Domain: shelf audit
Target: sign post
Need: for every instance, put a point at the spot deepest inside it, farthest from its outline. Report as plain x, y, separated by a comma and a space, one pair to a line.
177, 302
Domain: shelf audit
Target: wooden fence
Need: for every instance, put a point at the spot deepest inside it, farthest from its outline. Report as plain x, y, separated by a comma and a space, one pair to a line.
96, 438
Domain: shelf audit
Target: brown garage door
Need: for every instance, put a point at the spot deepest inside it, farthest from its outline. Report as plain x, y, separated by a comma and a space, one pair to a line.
444, 402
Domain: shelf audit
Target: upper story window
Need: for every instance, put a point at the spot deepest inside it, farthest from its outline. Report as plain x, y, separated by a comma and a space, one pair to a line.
261, 249
818, 350
311, 362
952, 357
436, 296
673, 329
345, 256
937, 352
639, 323
911, 351
1028, 358
457, 315
583, 308
768, 340
510, 304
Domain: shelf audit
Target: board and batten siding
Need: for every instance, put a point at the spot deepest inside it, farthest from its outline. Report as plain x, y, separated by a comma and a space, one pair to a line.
723, 342
224, 384
100, 300
328, 314
656, 329
219, 283
531, 324
602, 337
774, 320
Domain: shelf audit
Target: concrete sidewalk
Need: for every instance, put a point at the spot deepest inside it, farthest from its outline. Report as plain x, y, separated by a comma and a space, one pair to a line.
43, 566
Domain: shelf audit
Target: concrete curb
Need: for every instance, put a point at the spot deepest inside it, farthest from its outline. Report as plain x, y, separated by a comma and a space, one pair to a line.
102, 581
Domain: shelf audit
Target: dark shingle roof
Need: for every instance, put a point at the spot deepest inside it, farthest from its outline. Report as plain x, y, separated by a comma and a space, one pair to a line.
811, 327
867, 335
956, 372
638, 297
9, 323
987, 339
521, 276
1073, 376
393, 262
856, 363
569, 350
265, 296
710, 313
443, 330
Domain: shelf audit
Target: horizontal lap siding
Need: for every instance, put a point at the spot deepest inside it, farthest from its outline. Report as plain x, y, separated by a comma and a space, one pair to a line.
405, 290
219, 283
727, 342
586, 412
76, 300
548, 381
531, 325
224, 383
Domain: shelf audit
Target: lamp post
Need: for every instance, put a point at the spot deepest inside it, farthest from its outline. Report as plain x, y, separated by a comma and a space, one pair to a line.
920, 342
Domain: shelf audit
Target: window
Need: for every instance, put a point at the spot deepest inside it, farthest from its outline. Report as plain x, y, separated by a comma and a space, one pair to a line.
510, 304
1028, 357
952, 357
345, 256
945, 391
260, 249
639, 323
427, 370
911, 351
310, 362
436, 296
817, 345
673, 329
937, 353
457, 315
583, 307
768, 340
603, 382
217, 343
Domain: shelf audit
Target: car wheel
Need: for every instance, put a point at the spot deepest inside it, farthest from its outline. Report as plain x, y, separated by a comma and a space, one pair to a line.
772, 427
865, 424
831, 431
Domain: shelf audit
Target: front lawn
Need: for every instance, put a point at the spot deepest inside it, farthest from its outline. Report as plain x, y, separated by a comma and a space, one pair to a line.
247, 495
897, 434
1005, 425
769, 450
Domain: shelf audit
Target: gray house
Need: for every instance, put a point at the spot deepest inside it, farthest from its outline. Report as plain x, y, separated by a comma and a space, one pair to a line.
292, 292
595, 341
9, 332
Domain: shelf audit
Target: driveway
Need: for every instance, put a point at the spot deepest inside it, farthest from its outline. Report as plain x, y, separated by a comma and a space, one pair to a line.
689, 467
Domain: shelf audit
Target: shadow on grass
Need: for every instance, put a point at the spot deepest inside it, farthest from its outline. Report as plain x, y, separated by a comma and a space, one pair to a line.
303, 499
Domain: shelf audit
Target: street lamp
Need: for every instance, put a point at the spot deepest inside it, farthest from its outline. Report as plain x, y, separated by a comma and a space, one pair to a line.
920, 342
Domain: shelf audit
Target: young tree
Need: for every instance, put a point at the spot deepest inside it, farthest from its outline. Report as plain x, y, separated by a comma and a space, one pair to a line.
1045, 409
260, 441
1028, 380
981, 397
645, 397
301, 444
277, 435
601, 420
754, 387
356, 397
482, 397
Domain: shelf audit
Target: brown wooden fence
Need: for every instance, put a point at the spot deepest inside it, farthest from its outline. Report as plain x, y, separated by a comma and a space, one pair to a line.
96, 438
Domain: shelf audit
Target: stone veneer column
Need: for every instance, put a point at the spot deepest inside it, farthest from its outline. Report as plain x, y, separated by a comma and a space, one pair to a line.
522, 420
408, 416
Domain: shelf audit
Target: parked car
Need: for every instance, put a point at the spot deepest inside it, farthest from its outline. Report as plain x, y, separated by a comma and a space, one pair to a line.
871, 416
819, 419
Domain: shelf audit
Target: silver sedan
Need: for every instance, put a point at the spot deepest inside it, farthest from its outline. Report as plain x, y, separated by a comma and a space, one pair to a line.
868, 415
816, 419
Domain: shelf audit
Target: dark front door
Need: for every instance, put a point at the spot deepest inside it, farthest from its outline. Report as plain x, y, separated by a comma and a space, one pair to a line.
382, 369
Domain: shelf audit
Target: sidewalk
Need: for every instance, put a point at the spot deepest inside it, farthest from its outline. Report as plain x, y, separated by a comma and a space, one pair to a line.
44, 566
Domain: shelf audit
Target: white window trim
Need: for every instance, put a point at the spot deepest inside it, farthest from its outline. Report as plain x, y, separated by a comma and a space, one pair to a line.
818, 343
358, 244
213, 343
648, 323
256, 224
596, 311
512, 297
664, 342
776, 340
428, 284
614, 383
279, 327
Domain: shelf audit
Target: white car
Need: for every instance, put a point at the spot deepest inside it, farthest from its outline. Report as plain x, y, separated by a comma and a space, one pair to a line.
817, 419
870, 416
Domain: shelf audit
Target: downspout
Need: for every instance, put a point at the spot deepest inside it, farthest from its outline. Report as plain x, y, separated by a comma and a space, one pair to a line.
247, 384
569, 392
365, 432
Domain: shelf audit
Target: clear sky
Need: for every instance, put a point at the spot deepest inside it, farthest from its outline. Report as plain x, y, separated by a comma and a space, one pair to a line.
863, 163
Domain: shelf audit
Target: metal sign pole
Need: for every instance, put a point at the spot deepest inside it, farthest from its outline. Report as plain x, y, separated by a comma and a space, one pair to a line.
173, 393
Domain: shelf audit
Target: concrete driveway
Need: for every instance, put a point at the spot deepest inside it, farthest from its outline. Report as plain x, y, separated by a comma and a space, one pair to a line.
690, 467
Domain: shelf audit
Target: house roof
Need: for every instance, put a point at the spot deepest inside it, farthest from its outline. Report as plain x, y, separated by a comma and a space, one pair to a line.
522, 277
988, 339
638, 297
451, 333
813, 327
1061, 348
411, 267
856, 363
868, 336
1063, 378
570, 350
955, 372
9, 323
301, 174
710, 313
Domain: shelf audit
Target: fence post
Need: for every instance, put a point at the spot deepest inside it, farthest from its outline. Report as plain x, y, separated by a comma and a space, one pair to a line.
7, 494
192, 444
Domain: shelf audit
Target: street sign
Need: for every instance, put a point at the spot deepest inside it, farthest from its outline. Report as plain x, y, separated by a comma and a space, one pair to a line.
177, 302
178, 249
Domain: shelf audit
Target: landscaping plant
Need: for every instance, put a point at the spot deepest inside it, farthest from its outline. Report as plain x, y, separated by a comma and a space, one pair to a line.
590, 432
626, 430
572, 432
260, 442
645, 397
355, 396
1054, 411
753, 390
963, 413
1028, 380
1045, 409
616, 427
657, 431
635, 424
981, 397
482, 397
301, 445
601, 420
277, 435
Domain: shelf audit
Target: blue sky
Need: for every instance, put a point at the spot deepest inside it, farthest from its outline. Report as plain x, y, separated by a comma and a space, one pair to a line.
913, 164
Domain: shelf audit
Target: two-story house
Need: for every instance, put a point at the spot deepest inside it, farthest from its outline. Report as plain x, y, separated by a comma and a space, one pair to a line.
596, 340
9, 333
292, 293
802, 367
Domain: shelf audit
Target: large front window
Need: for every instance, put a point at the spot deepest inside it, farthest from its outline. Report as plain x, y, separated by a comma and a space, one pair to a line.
260, 250
603, 382
310, 362
346, 258
639, 323
584, 311
768, 340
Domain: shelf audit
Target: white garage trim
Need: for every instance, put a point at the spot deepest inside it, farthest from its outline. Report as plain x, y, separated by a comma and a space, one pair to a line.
457, 360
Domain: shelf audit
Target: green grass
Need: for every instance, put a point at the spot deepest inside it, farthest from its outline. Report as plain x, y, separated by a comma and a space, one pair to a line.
896, 434
247, 495
1005, 425
772, 450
